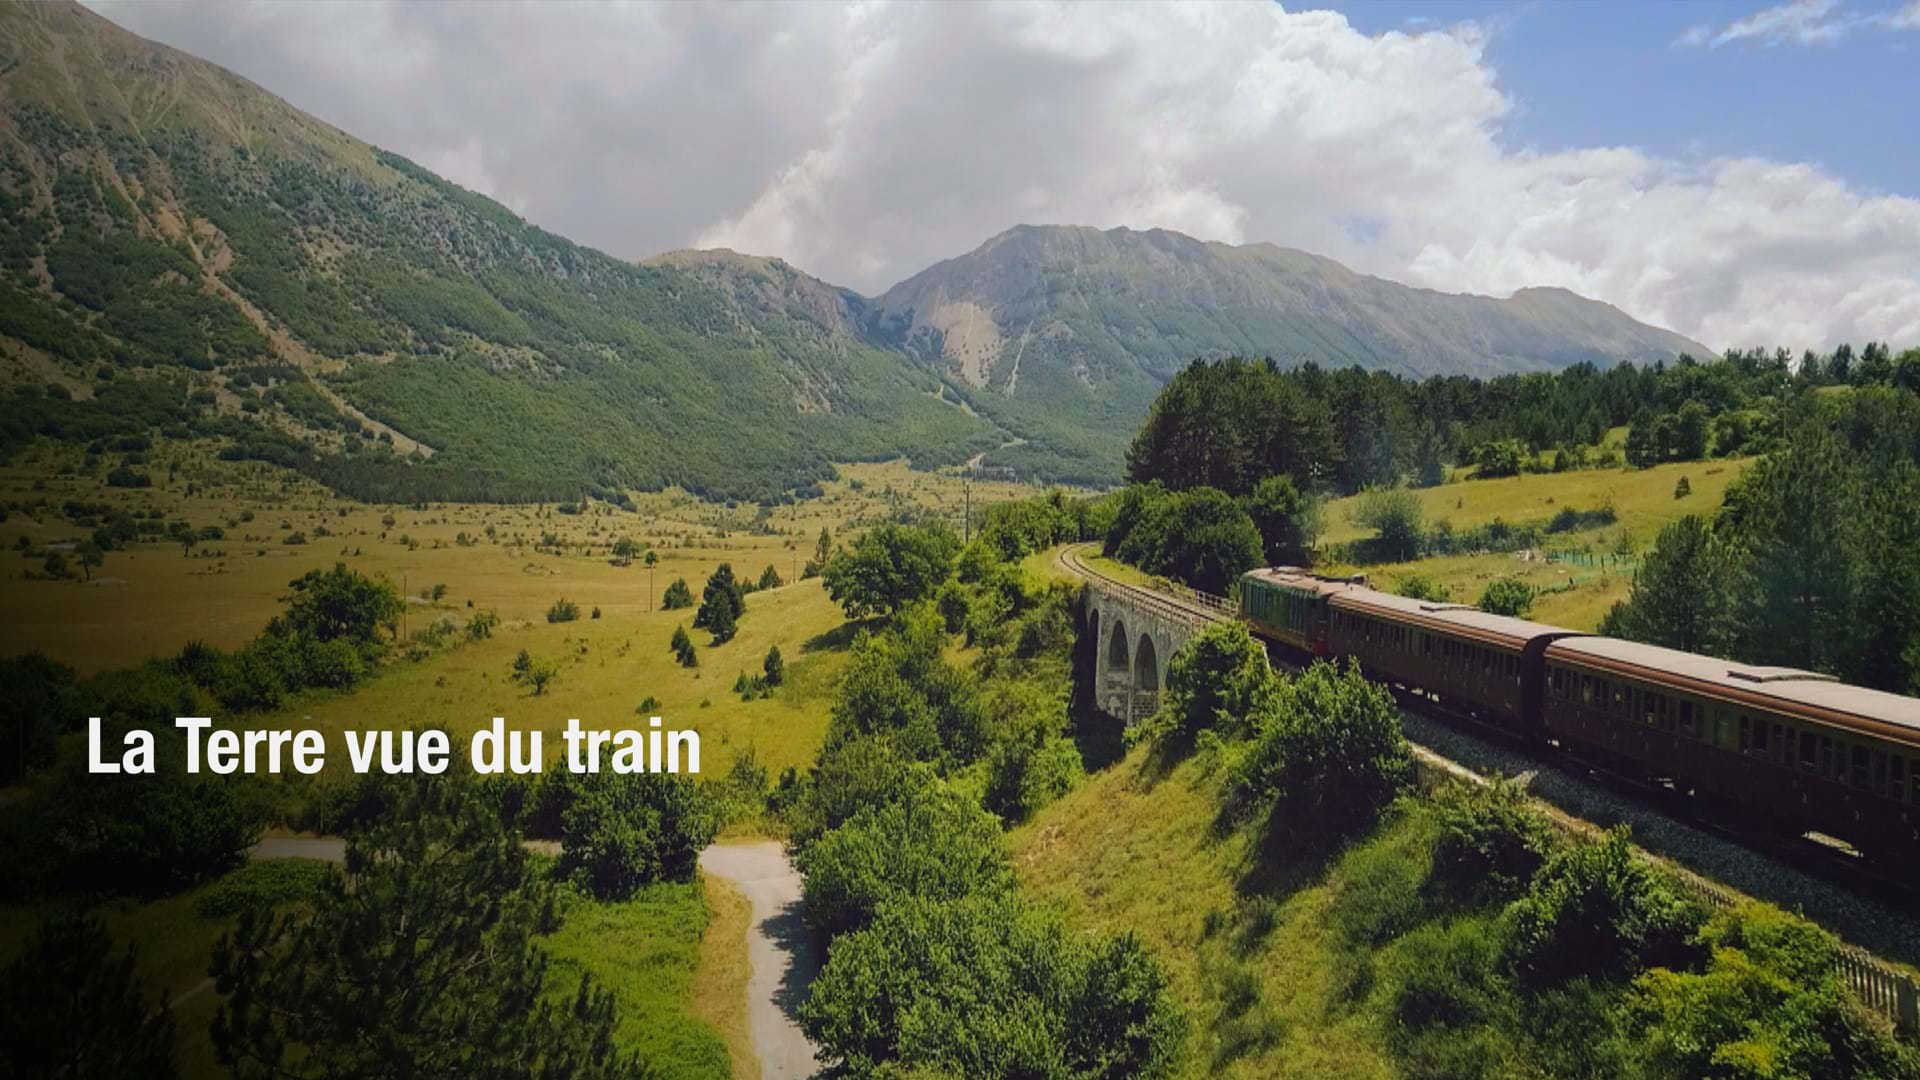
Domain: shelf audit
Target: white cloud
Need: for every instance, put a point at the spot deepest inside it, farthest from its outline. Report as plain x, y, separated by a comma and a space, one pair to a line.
1800, 22
866, 141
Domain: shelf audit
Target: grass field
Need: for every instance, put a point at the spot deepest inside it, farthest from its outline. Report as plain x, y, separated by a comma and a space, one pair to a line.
154, 598
1574, 596
1266, 983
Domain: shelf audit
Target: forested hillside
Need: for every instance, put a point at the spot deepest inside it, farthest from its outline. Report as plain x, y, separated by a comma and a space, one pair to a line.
1065, 334
334, 307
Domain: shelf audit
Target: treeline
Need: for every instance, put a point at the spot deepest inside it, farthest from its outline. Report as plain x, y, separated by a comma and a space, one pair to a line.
1812, 562
1475, 937
1231, 423
936, 964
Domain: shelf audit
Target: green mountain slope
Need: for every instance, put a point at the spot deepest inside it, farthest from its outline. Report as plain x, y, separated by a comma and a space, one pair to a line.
332, 306
1065, 334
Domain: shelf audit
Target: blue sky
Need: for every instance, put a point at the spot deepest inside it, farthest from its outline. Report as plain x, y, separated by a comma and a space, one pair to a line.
1617, 73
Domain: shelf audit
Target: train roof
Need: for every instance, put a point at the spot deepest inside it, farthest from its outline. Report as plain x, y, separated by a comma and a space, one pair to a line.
1294, 577
1447, 616
1804, 693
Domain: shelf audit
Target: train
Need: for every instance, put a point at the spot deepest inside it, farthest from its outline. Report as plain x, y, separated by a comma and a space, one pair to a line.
1771, 747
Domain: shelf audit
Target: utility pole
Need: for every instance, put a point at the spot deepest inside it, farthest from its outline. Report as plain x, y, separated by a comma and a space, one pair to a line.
966, 513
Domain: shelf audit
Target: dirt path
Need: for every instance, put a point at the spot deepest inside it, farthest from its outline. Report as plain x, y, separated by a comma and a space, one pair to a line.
780, 952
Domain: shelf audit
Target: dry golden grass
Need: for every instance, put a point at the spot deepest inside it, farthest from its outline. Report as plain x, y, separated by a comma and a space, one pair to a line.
153, 599
720, 982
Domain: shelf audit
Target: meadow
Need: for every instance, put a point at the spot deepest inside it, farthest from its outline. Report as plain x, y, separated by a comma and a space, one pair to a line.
1596, 568
674, 955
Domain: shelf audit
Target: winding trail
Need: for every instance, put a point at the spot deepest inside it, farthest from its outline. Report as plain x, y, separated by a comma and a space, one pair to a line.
778, 949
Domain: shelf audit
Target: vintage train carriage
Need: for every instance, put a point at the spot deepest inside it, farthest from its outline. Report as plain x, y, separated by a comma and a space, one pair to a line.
1486, 667
1289, 605
1812, 753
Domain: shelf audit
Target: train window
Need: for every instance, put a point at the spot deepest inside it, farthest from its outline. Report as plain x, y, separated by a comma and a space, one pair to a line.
1896, 776
1746, 734
1859, 760
1879, 772
1426, 644
1827, 767
1649, 708
1809, 751
1760, 739
1622, 699
1686, 720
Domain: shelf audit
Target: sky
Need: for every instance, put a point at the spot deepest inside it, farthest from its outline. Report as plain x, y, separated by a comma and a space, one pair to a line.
1747, 173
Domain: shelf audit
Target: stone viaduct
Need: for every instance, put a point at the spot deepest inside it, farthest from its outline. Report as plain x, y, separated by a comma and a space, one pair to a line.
1135, 634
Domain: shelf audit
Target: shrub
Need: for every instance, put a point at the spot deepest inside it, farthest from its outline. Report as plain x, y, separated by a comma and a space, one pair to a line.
1507, 596
563, 610
482, 625
1598, 911
1218, 680
260, 887
1490, 841
1682, 489
624, 830
1421, 587
1039, 1000
1326, 754
1771, 993
932, 843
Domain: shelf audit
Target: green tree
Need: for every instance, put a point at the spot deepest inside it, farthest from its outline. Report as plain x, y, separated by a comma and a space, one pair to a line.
1793, 513
419, 959
721, 604
1395, 515
1326, 755
721, 623
90, 558
774, 668
932, 843
1217, 681
75, 1009
1683, 594
770, 578
621, 831
343, 604
889, 567
677, 596
1690, 432
1287, 520
682, 647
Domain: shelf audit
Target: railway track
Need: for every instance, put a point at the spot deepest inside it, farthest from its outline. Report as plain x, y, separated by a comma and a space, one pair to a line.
1724, 863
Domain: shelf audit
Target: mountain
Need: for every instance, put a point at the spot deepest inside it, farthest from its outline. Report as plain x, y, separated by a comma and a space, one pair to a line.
1065, 334
181, 247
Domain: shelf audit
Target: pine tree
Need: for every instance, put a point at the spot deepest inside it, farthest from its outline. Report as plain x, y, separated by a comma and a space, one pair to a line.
99, 1022
420, 959
682, 647
723, 593
774, 667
